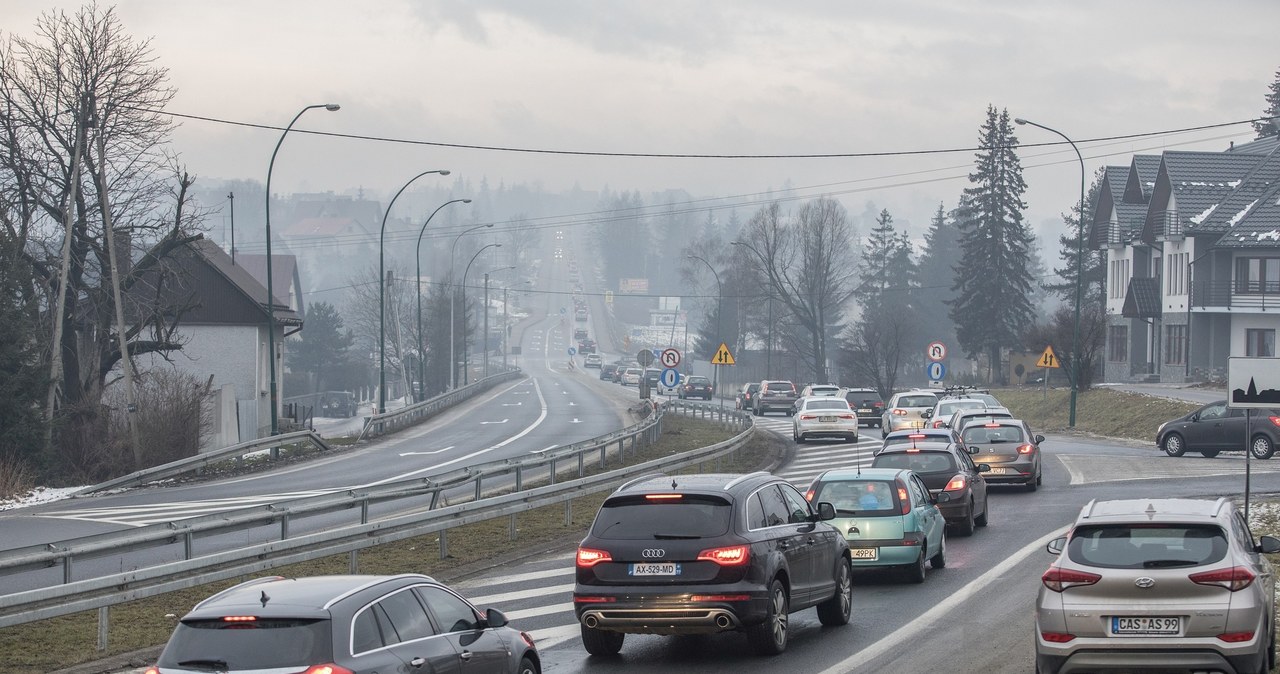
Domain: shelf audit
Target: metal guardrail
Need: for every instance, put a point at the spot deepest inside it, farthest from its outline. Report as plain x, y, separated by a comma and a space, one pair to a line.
104, 591
394, 420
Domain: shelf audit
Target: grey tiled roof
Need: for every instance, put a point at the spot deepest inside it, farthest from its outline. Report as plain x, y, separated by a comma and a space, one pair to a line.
1199, 181
1142, 299
1231, 210
1260, 226
1144, 169
1260, 146
245, 281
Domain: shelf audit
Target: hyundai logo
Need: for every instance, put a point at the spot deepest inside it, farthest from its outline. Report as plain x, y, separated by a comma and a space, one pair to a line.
1145, 582
653, 553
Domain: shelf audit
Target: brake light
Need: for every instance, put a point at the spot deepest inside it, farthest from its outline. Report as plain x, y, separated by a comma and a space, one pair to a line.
845, 416
588, 557
1057, 637
594, 600
898, 412
991, 425
238, 618
736, 555
808, 496
916, 436
808, 417
1058, 579
902, 498
1026, 449
151, 670
327, 669
1275, 421
957, 483
1235, 578
664, 497
527, 638
720, 597
937, 424
1235, 637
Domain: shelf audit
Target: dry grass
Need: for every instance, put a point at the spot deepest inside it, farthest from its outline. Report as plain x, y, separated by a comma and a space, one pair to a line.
62, 642
1105, 412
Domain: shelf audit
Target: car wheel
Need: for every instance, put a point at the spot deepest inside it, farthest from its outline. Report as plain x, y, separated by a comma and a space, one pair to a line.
1033, 483
836, 611
981, 520
915, 572
600, 642
1261, 447
939, 560
1040, 478
800, 439
852, 438
1174, 445
527, 665
770, 636
756, 412
965, 526
1209, 453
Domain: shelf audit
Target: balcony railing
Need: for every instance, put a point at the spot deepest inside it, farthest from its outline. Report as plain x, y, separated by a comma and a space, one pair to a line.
1168, 225
1261, 295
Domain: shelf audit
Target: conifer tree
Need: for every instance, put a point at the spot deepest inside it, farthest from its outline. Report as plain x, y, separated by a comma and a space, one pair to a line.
992, 306
939, 256
1266, 127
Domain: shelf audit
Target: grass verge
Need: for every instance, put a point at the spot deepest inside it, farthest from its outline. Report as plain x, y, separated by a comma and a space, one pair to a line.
57, 643
1099, 411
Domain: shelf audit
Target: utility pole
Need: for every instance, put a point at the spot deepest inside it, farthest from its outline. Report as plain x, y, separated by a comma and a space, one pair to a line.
484, 341
232, 197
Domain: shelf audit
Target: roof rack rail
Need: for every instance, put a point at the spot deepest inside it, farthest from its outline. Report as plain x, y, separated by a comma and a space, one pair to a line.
735, 481
1217, 505
1088, 508
642, 478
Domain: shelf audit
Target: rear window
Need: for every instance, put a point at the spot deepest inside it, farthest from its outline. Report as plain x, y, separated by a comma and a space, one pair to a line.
985, 435
946, 407
826, 405
245, 645
780, 386
875, 498
640, 518
1147, 546
938, 439
698, 380
863, 399
917, 401
920, 462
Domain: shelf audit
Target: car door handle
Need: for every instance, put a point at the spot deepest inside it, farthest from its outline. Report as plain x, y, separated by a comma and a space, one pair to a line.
810, 541
465, 655
783, 545
417, 662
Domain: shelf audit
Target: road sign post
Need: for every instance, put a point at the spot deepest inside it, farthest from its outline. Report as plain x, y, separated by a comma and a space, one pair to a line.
936, 371
670, 358
1048, 359
722, 357
1252, 383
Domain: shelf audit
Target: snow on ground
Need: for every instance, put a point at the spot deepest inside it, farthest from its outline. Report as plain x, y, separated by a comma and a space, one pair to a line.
37, 496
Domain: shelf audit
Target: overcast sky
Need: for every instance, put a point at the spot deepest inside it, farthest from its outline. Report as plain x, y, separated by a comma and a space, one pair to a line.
674, 76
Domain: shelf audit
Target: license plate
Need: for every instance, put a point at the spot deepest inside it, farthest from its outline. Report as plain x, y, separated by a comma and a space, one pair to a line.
865, 553
1145, 625
864, 411
995, 470
665, 569
917, 424
827, 420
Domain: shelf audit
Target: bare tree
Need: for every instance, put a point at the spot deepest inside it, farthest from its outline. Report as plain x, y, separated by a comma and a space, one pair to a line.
519, 238
401, 330
873, 348
809, 265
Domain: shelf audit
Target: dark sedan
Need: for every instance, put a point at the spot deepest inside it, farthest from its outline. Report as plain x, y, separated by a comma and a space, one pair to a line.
951, 476
1216, 427
695, 386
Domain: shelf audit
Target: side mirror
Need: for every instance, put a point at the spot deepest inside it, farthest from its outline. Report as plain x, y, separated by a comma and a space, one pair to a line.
974, 449
1195, 417
826, 511
1039, 439
926, 414
1268, 545
943, 497
1057, 545
493, 618
984, 468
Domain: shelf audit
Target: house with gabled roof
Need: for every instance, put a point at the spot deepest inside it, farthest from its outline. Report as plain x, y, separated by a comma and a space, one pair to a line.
1193, 272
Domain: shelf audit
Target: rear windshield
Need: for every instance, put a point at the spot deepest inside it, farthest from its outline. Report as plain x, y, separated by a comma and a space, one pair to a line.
698, 380
986, 435
780, 386
917, 401
864, 399
937, 438
826, 405
641, 518
1147, 546
861, 497
259, 644
946, 407
920, 462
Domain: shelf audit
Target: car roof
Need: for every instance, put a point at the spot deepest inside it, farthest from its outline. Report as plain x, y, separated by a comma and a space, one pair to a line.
922, 446
1152, 510
308, 596
853, 475
928, 432
718, 483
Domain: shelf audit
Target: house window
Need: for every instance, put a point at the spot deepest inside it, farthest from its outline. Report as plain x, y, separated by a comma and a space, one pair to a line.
1175, 345
1260, 343
1257, 275
1118, 343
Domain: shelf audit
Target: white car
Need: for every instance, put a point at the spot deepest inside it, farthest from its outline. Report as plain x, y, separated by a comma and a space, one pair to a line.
824, 417
820, 390
631, 376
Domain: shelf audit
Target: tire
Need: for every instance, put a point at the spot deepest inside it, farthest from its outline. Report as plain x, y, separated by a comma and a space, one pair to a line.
1209, 453
1033, 483
915, 572
757, 412
800, 439
853, 438
1262, 447
1174, 445
770, 636
600, 642
528, 666
837, 610
939, 561
965, 526
981, 520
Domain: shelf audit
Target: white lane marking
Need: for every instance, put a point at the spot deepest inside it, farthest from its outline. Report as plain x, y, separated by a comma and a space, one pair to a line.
523, 614
483, 423
1076, 477
521, 594
912, 631
434, 451
539, 451
572, 404
575, 421
512, 404
508, 579
554, 636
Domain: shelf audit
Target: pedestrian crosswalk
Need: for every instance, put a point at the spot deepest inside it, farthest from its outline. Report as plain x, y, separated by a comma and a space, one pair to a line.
815, 457
537, 598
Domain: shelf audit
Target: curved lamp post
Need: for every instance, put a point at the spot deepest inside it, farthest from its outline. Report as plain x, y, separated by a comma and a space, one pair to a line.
719, 313
271, 298
417, 254
1075, 333
382, 292
453, 250
486, 314
466, 374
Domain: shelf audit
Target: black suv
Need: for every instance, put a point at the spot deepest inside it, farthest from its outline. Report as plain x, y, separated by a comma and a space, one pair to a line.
867, 403
699, 554
353, 624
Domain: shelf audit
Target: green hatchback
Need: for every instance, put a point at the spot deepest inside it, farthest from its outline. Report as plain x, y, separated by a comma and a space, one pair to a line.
888, 517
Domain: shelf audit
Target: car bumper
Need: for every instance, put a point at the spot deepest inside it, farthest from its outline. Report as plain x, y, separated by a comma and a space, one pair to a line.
640, 611
1164, 660
1009, 472
957, 509
888, 553
901, 424
820, 430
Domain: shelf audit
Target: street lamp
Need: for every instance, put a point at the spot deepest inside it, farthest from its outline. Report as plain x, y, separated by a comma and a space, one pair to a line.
486, 313
271, 298
719, 313
466, 374
506, 323
1075, 338
453, 250
418, 257
382, 291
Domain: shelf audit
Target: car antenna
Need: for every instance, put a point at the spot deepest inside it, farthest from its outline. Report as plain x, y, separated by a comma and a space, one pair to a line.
265, 599
673, 483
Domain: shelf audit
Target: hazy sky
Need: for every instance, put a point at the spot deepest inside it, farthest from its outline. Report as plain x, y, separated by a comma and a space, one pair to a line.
674, 76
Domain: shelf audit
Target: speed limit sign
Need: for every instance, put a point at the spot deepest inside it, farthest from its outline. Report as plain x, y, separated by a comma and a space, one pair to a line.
670, 358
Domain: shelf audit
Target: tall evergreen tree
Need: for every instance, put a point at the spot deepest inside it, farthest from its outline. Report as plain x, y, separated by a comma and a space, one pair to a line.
992, 304
939, 257
886, 267
1265, 127
323, 347
1094, 261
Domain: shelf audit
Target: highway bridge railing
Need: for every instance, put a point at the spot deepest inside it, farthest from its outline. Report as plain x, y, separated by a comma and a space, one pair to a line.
418, 507
410, 415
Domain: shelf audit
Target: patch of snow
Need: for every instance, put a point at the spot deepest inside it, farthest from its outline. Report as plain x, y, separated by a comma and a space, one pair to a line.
1197, 219
1240, 216
1274, 235
39, 495
1233, 184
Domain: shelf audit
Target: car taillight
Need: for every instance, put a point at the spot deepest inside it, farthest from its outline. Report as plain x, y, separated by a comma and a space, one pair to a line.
719, 597
808, 417
151, 670
1235, 637
808, 496
844, 416
588, 557
736, 555
937, 424
957, 483
991, 425
903, 499
527, 638
1026, 449
1057, 579
1236, 578
1275, 421
1057, 637
327, 669
898, 412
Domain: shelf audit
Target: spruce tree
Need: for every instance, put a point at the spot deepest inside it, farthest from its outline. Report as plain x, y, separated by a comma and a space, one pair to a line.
992, 306
1266, 127
886, 271
1094, 261
938, 259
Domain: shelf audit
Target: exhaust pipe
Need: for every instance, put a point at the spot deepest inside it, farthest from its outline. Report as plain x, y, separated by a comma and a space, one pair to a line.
590, 621
723, 622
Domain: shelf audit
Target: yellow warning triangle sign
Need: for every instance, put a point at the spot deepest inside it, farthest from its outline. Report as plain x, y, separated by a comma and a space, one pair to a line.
1048, 358
722, 357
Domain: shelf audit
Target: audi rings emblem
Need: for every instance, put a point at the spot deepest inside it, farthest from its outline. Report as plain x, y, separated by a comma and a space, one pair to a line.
1145, 582
653, 553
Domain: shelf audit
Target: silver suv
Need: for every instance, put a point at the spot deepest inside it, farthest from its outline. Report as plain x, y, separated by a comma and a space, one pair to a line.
1157, 584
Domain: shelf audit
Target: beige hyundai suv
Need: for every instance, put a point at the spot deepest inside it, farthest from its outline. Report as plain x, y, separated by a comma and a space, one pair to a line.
1160, 585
